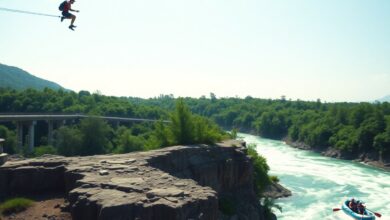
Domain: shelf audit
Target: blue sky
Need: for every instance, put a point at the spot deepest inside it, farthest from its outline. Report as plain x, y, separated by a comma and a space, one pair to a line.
332, 50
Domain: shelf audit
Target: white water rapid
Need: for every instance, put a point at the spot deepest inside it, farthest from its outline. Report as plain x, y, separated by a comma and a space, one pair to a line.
320, 183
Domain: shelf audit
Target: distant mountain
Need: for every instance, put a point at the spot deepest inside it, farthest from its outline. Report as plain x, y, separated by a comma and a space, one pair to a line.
15, 78
384, 99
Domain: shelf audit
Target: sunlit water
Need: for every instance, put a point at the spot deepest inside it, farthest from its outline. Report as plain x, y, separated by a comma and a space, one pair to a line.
320, 183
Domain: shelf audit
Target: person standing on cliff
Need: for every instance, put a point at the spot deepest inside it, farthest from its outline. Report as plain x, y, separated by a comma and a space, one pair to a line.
65, 7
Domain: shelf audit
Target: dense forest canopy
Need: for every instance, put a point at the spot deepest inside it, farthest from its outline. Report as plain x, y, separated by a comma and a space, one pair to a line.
350, 127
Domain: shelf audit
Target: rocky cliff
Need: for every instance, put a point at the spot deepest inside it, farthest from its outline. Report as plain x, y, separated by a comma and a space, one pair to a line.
181, 182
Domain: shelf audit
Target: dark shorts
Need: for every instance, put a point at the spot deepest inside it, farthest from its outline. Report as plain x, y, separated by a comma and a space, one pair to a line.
66, 14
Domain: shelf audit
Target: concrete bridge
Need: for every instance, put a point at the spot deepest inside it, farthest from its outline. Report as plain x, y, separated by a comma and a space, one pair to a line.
54, 119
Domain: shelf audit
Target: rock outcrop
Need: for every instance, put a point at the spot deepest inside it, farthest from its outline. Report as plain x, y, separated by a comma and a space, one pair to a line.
181, 182
3, 158
276, 191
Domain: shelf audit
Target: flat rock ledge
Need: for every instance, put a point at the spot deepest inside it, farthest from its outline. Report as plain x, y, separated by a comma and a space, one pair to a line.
180, 182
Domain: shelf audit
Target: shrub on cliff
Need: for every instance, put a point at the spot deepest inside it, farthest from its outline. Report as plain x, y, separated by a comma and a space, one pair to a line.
182, 125
260, 168
269, 204
187, 128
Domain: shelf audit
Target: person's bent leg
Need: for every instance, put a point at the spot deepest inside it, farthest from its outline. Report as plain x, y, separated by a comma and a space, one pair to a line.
73, 19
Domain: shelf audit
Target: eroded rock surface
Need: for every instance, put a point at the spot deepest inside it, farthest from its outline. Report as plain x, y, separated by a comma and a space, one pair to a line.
181, 182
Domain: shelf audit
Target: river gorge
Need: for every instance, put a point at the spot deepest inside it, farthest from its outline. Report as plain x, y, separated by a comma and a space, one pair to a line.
320, 183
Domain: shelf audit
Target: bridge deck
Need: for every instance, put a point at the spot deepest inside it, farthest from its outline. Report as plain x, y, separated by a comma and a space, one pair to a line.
36, 117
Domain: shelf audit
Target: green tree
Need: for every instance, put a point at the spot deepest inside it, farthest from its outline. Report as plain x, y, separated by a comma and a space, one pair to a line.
382, 143
382, 140
205, 131
162, 136
127, 142
68, 141
273, 125
182, 126
95, 135
345, 138
368, 129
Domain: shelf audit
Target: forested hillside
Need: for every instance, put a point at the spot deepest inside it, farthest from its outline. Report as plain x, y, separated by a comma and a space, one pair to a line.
15, 78
350, 127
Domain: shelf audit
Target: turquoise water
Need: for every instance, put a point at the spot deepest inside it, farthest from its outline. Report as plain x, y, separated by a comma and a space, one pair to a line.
320, 183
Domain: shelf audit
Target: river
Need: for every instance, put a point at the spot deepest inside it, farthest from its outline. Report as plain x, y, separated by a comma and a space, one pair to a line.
320, 183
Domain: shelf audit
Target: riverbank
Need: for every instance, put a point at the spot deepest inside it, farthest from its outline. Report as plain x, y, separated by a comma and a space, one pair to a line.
368, 158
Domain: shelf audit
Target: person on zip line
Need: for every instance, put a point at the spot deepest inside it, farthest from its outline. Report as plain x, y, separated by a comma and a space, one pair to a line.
65, 7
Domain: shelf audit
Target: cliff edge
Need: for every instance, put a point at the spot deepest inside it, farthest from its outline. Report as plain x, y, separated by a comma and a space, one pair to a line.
180, 182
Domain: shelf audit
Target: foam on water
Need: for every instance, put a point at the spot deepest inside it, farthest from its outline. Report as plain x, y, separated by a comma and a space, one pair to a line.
320, 183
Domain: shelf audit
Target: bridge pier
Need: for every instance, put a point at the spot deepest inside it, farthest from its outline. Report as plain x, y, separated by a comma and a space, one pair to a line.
50, 133
31, 135
55, 121
19, 131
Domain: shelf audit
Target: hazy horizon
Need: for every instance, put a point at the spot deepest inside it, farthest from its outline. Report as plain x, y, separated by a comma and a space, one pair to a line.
333, 51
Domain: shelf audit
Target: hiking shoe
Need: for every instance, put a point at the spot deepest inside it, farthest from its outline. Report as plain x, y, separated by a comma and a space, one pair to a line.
62, 18
71, 27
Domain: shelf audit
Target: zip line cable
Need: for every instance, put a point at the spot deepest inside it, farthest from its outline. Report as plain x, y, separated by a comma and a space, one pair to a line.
28, 12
